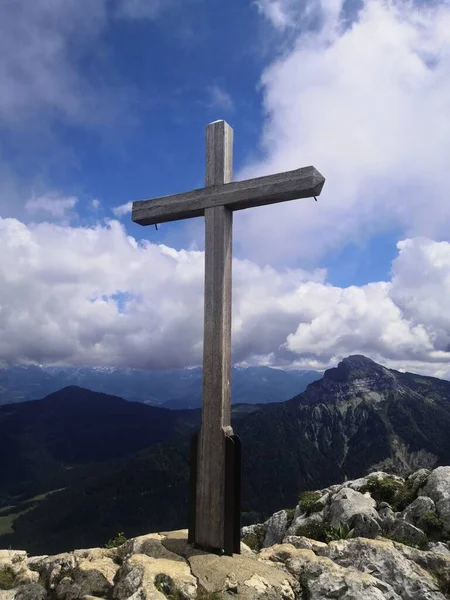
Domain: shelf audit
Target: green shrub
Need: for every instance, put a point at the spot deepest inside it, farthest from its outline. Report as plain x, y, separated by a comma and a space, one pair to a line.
309, 502
405, 496
313, 530
253, 541
422, 544
6, 579
341, 532
290, 515
117, 541
384, 490
431, 524
165, 585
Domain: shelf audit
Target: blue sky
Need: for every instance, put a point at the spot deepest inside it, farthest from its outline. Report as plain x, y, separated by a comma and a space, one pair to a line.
104, 103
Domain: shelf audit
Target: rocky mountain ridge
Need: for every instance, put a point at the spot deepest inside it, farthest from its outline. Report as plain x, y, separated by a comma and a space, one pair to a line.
362, 556
174, 389
383, 420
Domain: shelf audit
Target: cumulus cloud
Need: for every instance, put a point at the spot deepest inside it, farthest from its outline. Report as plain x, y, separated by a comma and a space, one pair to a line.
43, 44
73, 295
281, 13
367, 104
51, 204
123, 209
40, 42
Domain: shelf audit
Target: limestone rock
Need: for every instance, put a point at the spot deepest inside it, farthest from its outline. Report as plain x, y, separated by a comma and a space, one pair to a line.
386, 514
356, 484
439, 547
149, 578
364, 525
322, 579
253, 535
256, 579
303, 543
33, 591
305, 524
151, 545
348, 503
94, 577
418, 479
438, 489
275, 528
387, 563
53, 569
404, 532
414, 512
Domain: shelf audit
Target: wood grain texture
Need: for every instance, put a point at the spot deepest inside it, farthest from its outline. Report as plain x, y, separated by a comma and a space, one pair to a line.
216, 402
281, 187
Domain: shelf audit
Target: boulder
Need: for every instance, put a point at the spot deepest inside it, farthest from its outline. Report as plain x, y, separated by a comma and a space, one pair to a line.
253, 535
32, 591
275, 528
251, 579
385, 514
348, 503
384, 561
364, 525
439, 547
307, 526
148, 578
321, 578
356, 484
303, 543
418, 479
415, 511
94, 577
437, 488
404, 532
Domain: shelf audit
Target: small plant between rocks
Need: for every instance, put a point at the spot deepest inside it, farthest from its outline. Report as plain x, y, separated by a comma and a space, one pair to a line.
422, 544
432, 525
387, 490
253, 541
309, 502
165, 585
117, 541
290, 512
6, 579
342, 532
314, 531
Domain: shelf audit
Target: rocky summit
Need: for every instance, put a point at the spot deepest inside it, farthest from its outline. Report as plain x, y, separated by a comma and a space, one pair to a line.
377, 537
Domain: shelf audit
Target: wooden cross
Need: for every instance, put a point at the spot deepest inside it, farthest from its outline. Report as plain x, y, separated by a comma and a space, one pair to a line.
216, 202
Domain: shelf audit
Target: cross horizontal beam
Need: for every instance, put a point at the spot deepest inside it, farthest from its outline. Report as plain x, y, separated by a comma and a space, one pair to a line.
291, 185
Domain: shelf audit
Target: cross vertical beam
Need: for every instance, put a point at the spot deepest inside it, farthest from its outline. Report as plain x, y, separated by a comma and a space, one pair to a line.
216, 403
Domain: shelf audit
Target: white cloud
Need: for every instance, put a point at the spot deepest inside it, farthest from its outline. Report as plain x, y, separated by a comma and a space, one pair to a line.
40, 43
95, 203
96, 296
368, 106
220, 98
122, 209
51, 204
42, 46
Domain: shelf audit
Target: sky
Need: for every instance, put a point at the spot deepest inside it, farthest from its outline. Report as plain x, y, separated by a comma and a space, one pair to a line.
105, 102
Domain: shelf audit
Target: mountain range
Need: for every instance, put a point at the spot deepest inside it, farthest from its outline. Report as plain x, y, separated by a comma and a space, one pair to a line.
176, 389
359, 417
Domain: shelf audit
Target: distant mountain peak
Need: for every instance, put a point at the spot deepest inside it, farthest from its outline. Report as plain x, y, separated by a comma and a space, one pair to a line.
354, 367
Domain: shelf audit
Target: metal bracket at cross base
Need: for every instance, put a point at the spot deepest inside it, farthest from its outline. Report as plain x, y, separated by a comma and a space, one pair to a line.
232, 506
